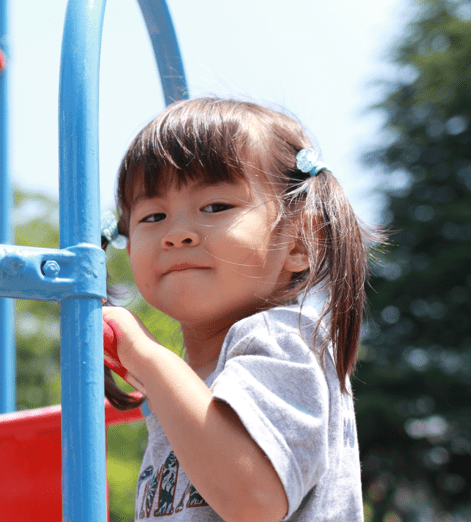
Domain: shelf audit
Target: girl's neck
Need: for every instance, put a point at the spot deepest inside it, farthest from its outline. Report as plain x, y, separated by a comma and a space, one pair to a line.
203, 341
203, 349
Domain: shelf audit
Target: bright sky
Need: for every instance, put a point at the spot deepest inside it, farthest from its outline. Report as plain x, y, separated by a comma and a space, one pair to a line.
315, 58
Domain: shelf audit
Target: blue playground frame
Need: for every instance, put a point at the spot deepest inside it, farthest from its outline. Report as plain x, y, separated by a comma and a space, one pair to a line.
75, 274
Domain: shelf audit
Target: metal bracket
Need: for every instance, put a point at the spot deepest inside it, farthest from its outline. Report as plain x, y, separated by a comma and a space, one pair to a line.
46, 274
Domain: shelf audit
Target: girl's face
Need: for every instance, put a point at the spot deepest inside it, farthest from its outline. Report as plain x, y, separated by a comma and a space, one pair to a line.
206, 254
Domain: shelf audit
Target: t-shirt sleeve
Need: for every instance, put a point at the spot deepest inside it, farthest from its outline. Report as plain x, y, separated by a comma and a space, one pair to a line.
277, 387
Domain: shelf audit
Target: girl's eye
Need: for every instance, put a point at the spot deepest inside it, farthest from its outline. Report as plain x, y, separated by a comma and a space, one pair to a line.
216, 207
153, 218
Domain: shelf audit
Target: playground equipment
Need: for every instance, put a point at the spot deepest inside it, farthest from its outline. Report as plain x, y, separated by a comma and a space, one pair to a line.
30, 453
74, 275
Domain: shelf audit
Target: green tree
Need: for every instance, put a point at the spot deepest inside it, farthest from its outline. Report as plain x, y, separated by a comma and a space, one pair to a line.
414, 378
38, 347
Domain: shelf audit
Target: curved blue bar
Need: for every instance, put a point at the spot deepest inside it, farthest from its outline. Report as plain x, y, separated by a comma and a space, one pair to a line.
83, 427
7, 324
166, 50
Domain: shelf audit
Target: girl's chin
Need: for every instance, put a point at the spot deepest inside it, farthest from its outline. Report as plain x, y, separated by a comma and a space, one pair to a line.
196, 309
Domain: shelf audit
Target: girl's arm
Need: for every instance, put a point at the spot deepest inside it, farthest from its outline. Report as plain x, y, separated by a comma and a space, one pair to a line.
221, 460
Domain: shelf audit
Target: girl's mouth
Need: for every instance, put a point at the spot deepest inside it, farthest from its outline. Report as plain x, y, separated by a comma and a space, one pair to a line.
184, 266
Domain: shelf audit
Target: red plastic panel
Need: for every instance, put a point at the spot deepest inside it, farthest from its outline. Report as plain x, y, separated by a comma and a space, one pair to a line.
30, 462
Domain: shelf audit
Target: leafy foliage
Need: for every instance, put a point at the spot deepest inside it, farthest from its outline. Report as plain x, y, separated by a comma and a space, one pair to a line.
414, 378
38, 348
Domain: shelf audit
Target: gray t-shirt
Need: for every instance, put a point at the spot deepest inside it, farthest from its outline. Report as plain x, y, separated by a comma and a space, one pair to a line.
292, 408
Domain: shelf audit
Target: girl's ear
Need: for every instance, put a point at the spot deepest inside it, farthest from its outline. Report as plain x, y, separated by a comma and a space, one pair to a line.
297, 259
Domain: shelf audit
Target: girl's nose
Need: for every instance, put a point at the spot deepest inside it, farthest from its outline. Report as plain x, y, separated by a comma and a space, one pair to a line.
180, 239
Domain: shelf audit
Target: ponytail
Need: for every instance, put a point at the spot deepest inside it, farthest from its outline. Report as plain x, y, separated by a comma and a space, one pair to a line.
338, 264
118, 398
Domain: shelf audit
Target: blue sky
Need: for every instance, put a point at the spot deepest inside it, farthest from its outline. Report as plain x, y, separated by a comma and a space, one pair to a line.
314, 58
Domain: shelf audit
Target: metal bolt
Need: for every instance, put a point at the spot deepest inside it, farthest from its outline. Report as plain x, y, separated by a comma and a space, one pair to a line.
51, 269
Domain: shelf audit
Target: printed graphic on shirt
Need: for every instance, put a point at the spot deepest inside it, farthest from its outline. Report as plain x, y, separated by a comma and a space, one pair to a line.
158, 495
349, 431
194, 498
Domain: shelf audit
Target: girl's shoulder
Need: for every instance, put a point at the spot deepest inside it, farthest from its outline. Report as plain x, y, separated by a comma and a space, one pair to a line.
284, 332
276, 321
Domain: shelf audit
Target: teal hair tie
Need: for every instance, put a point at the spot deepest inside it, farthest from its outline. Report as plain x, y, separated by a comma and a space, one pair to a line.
109, 231
307, 161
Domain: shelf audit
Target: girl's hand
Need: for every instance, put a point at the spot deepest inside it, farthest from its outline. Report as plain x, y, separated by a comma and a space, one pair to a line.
129, 331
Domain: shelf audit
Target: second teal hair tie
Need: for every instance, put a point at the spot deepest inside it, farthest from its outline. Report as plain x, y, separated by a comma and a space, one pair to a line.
307, 161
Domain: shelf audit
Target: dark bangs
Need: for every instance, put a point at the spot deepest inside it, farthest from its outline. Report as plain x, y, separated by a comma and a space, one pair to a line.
191, 141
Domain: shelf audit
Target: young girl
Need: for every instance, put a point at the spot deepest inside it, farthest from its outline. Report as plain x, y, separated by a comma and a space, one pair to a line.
232, 222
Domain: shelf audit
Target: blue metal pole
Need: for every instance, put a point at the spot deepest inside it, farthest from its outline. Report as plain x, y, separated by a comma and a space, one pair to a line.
83, 427
7, 323
166, 49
